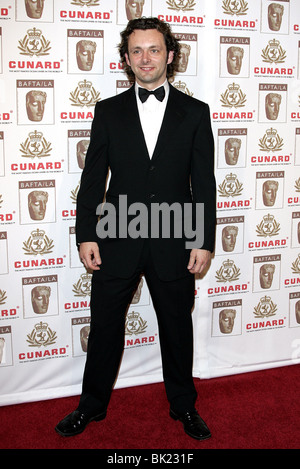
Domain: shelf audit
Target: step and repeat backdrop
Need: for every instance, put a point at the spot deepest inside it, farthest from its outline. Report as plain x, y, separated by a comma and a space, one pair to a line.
57, 59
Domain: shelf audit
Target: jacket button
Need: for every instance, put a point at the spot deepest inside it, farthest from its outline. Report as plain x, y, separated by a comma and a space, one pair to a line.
151, 196
152, 167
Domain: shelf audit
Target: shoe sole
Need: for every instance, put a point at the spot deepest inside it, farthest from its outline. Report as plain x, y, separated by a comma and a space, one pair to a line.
94, 419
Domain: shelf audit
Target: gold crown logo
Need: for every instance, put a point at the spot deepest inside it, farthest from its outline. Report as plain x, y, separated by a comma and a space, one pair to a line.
228, 263
268, 218
34, 33
274, 43
265, 300
38, 234
86, 277
234, 87
133, 315
41, 326
271, 132
231, 177
35, 136
85, 85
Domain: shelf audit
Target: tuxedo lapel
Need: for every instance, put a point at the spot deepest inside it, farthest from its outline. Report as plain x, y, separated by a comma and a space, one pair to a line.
132, 124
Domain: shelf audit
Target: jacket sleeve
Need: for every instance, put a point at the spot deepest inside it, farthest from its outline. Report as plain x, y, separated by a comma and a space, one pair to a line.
93, 180
203, 179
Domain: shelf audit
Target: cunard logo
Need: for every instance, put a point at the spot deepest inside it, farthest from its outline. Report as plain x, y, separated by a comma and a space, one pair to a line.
134, 324
228, 272
235, 7
87, 3
268, 227
265, 308
230, 187
1, 201
271, 141
38, 243
296, 265
84, 95
83, 286
35, 146
34, 43
3, 297
233, 97
41, 336
181, 5
273, 53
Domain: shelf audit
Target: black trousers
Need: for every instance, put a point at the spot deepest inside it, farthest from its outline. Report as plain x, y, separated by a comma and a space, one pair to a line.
173, 302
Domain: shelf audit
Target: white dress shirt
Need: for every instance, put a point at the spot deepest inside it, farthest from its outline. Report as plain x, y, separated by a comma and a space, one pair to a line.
151, 114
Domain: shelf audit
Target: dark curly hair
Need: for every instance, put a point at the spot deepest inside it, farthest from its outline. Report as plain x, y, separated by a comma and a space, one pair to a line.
171, 42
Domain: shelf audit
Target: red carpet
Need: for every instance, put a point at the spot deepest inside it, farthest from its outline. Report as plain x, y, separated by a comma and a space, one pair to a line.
258, 410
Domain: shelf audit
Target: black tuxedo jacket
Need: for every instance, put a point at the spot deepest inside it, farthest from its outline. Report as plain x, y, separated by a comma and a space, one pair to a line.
181, 170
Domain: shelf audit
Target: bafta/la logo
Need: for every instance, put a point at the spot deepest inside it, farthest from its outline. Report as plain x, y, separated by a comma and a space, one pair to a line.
233, 97
271, 141
235, 7
3, 297
181, 5
228, 272
35, 146
87, 3
230, 187
84, 95
41, 335
38, 243
274, 53
181, 86
296, 265
83, 286
265, 308
134, 324
268, 226
34, 43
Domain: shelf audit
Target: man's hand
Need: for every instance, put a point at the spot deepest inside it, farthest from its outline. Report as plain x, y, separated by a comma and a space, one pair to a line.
90, 255
199, 259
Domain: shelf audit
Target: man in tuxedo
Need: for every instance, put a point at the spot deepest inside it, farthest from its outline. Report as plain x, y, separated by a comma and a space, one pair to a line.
159, 149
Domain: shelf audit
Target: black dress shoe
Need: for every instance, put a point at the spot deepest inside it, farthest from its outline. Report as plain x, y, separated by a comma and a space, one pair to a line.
193, 424
76, 422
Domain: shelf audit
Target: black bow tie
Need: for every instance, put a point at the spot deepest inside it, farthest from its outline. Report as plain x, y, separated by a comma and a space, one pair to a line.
159, 93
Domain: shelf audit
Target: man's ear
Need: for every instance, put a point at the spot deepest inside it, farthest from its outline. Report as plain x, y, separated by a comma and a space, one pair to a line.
170, 57
127, 59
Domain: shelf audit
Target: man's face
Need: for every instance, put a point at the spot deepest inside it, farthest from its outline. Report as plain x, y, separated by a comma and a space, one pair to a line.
148, 57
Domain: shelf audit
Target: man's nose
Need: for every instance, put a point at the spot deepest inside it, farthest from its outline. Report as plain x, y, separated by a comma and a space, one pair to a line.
145, 56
